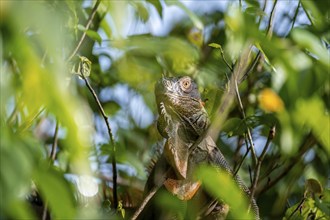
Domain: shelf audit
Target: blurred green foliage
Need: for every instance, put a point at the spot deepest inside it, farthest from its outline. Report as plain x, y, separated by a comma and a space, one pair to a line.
38, 91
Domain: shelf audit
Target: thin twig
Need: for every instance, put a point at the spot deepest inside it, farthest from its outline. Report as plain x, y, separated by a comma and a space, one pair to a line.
307, 144
241, 162
150, 195
295, 15
307, 14
52, 157
254, 63
29, 121
270, 22
54, 145
248, 132
145, 202
12, 116
113, 161
89, 22
261, 16
236, 156
224, 59
299, 206
270, 137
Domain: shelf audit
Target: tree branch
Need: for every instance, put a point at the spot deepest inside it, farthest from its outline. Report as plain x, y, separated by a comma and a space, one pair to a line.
113, 160
270, 137
145, 202
89, 22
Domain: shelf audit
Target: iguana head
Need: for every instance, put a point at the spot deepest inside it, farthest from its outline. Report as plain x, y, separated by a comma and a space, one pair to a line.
178, 101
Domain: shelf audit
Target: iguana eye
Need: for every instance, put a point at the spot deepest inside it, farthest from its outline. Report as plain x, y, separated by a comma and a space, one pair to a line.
185, 84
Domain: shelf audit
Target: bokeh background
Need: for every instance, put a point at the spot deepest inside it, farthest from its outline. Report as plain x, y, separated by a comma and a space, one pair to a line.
56, 153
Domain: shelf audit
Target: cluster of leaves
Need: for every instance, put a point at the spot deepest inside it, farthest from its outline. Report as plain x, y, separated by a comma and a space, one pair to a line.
46, 110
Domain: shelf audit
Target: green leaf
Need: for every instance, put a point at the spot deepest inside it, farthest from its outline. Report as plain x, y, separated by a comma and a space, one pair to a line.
55, 189
307, 40
90, 33
81, 27
82, 66
73, 19
194, 18
305, 209
120, 209
171, 204
141, 10
323, 202
111, 107
253, 3
215, 181
215, 45
313, 13
313, 187
255, 11
312, 112
94, 35
158, 6
195, 36
106, 28
232, 126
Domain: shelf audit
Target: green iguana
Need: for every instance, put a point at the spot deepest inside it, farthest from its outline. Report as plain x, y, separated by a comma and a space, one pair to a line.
183, 121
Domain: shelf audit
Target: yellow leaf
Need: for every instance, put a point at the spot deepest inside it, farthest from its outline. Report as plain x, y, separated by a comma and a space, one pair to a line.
269, 101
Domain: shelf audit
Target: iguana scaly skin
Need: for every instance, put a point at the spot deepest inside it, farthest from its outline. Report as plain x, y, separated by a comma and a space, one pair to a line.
182, 121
